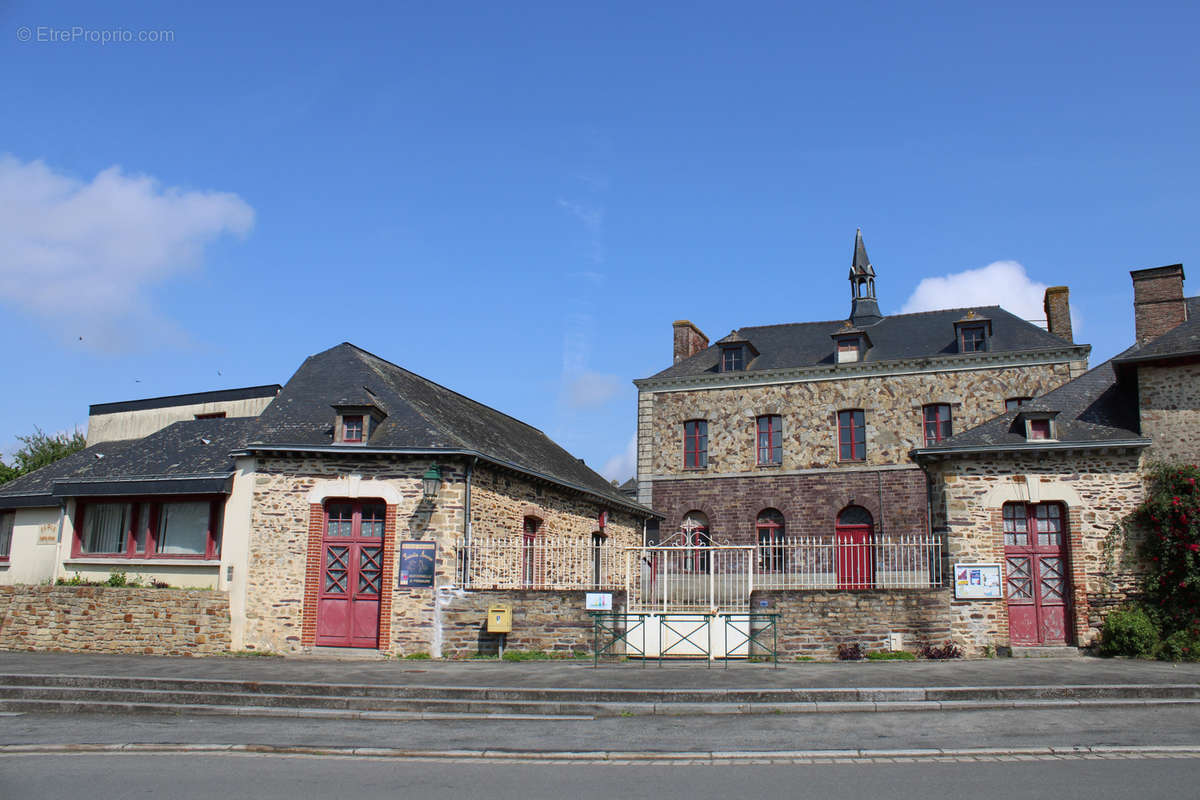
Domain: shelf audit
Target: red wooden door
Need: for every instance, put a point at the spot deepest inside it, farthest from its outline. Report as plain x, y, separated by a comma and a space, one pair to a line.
351, 575
855, 557
1036, 577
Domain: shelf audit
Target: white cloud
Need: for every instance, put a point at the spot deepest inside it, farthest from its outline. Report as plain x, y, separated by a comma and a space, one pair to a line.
592, 218
591, 389
80, 256
1003, 283
622, 466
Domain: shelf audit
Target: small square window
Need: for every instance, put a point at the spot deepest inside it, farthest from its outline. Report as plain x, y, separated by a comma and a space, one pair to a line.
847, 351
1039, 429
731, 359
1015, 402
352, 428
973, 338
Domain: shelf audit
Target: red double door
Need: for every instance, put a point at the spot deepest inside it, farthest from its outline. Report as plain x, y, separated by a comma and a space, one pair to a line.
351, 575
1036, 574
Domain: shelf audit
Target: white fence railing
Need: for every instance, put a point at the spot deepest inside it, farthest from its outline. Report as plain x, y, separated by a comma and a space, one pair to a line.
680, 578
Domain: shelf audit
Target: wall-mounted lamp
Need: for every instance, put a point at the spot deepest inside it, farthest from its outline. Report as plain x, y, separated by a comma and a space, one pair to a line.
431, 481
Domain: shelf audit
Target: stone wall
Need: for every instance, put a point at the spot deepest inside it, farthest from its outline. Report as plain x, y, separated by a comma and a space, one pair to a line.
815, 623
1169, 400
287, 520
555, 622
809, 503
1097, 489
892, 405
101, 619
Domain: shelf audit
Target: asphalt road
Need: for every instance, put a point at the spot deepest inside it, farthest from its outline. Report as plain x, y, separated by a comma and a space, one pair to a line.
183, 777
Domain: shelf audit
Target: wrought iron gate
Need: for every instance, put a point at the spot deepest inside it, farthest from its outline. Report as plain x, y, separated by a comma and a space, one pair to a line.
690, 578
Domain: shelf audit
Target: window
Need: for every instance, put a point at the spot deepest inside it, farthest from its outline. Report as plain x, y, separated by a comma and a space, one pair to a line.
855, 550
352, 428
937, 423
695, 444
731, 359
973, 338
770, 439
6, 533
172, 528
532, 526
212, 415
852, 436
1015, 402
847, 350
598, 540
769, 527
1039, 429
1041, 521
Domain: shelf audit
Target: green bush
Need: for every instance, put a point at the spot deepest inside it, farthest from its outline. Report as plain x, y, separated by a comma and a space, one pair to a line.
1129, 631
1179, 646
891, 655
415, 656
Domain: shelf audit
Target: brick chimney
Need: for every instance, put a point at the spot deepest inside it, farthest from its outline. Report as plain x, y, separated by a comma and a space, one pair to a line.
689, 340
1058, 312
1158, 304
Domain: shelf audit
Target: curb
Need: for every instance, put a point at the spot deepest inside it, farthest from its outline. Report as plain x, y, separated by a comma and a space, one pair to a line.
610, 756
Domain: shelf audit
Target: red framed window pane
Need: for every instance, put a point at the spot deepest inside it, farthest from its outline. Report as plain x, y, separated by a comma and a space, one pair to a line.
695, 444
770, 439
1016, 524
352, 428
1039, 429
852, 436
937, 423
731, 359
1048, 517
974, 339
167, 527
771, 550
1013, 403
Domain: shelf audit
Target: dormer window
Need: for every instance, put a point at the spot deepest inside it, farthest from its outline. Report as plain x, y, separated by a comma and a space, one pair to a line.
732, 359
973, 332
352, 428
1039, 429
1038, 425
850, 344
356, 419
848, 350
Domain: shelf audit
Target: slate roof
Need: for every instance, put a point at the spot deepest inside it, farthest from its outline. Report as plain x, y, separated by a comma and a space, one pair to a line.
422, 416
1181, 341
192, 454
901, 336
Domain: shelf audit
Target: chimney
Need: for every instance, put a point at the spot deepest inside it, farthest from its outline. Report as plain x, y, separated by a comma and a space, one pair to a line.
689, 340
1058, 312
1158, 304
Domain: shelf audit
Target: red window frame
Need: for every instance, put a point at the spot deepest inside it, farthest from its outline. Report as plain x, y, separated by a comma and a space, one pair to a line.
977, 343
8, 524
852, 435
352, 428
1039, 429
530, 529
770, 439
937, 422
154, 504
769, 528
695, 444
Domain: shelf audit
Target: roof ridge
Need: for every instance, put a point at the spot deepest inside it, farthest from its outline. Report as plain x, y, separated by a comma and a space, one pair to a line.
887, 317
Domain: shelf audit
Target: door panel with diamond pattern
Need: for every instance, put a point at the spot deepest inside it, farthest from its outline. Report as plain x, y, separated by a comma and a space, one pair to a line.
1036, 577
351, 575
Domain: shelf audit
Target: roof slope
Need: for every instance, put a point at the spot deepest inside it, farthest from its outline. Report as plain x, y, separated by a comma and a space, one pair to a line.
421, 415
901, 336
188, 448
1181, 341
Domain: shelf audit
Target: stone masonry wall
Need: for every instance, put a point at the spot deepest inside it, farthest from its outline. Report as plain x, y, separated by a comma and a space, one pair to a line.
1098, 490
283, 526
892, 406
809, 503
1169, 397
101, 619
555, 622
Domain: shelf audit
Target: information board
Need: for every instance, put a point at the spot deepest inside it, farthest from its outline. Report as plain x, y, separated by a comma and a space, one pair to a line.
417, 561
977, 582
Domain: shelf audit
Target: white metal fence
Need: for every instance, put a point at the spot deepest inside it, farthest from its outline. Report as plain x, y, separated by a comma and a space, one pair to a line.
684, 578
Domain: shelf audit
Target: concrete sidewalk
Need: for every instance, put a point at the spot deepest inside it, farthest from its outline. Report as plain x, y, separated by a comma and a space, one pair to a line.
632, 675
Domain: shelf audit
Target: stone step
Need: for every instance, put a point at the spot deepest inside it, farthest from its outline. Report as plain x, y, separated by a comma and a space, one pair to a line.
1041, 651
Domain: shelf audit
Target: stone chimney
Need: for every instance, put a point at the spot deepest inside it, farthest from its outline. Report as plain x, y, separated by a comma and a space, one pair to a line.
1158, 304
1058, 312
689, 340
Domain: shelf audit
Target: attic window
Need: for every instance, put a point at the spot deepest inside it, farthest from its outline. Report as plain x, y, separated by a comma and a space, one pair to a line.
849, 349
1038, 425
1039, 429
972, 339
732, 359
352, 428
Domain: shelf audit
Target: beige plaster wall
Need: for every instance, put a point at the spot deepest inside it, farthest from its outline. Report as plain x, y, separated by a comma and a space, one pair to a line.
136, 424
34, 551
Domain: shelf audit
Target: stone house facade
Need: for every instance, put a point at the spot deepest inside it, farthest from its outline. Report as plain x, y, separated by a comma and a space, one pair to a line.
359, 505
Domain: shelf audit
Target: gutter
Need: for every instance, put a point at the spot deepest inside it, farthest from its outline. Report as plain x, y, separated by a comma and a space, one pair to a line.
1028, 447
343, 450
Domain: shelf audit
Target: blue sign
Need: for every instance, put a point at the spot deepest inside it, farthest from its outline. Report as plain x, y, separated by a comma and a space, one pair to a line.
417, 562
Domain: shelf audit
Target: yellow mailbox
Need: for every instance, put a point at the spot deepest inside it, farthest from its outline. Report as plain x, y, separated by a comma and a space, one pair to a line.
499, 619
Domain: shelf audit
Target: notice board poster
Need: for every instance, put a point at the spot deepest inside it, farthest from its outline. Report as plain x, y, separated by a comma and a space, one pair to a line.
417, 561
977, 582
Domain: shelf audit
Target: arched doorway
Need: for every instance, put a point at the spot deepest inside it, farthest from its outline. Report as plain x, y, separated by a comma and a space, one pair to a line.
1036, 574
769, 528
855, 551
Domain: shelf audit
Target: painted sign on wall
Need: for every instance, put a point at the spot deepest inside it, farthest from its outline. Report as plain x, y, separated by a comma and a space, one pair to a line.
417, 562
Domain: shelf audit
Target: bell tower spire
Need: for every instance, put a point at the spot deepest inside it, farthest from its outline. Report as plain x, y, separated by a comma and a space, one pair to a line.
864, 308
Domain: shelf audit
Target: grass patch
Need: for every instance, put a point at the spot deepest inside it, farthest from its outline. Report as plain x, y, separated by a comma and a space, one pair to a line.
255, 654
542, 655
415, 656
805, 658
891, 655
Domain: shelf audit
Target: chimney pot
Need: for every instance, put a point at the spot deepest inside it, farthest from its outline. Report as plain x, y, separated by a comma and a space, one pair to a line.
1158, 303
689, 340
1058, 312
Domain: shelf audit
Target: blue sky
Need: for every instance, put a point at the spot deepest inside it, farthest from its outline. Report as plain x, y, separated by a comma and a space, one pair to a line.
516, 200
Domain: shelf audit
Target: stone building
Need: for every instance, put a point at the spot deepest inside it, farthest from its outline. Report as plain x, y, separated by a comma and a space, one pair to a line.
359, 505
1038, 490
